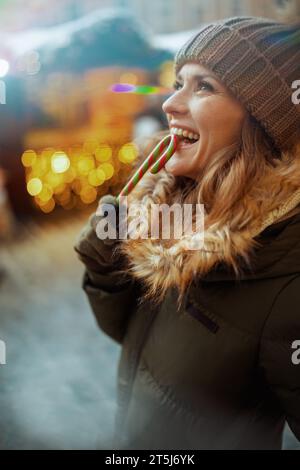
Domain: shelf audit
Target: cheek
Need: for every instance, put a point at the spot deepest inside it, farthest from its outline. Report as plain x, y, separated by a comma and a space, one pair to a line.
219, 116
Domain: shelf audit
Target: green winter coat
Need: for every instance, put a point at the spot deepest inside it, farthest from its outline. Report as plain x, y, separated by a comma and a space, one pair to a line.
218, 373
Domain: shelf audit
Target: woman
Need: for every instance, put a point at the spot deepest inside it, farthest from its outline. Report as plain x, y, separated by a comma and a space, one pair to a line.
209, 336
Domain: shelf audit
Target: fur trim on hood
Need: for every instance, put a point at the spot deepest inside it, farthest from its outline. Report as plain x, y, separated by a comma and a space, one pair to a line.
161, 264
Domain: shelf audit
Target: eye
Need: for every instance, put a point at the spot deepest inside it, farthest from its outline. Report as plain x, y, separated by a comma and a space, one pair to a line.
177, 85
202, 85
205, 86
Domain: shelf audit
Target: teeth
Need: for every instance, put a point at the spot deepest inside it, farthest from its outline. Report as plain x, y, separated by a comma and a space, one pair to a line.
184, 133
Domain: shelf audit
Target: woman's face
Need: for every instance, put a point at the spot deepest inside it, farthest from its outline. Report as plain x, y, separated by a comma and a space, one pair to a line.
206, 109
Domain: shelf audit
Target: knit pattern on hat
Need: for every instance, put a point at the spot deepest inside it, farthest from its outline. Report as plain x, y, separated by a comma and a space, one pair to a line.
258, 59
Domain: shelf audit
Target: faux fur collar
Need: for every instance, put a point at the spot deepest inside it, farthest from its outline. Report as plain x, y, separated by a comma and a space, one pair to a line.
160, 266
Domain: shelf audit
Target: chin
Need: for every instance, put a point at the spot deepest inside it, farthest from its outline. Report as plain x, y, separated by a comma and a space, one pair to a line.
175, 167
178, 170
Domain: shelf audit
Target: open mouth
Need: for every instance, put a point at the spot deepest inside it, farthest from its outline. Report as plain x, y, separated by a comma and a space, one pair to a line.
186, 138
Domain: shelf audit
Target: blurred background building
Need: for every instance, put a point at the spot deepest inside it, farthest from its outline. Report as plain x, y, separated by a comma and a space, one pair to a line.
67, 136
165, 16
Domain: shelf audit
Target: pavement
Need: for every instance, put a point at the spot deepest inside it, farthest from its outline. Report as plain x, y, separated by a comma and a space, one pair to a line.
58, 387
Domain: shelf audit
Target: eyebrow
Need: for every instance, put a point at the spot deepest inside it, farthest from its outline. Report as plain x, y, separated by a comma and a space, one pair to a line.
199, 77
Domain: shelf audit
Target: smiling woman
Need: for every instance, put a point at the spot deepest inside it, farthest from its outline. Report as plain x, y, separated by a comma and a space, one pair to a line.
203, 106
206, 334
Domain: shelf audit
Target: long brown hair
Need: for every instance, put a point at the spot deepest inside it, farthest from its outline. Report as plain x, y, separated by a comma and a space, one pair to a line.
228, 176
239, 187
232, 172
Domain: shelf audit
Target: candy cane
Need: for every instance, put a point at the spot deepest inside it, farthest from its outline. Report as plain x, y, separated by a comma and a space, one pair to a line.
154, 162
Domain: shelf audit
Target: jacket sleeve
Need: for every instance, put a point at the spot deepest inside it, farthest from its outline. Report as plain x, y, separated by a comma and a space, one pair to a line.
112, 295
278, 354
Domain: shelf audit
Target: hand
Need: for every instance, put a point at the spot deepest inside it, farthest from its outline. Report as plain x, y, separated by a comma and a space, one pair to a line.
93, 250
106, 220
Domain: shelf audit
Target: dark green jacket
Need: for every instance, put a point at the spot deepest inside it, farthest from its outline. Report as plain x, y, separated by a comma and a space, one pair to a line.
218, 374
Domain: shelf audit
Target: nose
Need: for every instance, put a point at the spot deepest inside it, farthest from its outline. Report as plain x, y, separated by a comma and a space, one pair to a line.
176, 104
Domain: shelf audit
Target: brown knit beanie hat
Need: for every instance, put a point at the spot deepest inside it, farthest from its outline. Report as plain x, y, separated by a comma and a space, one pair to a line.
258, 59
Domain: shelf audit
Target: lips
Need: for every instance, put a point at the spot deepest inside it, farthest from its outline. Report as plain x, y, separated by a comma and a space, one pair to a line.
184, 144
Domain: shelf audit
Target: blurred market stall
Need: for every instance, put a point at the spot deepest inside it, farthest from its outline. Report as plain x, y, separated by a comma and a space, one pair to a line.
69, 128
